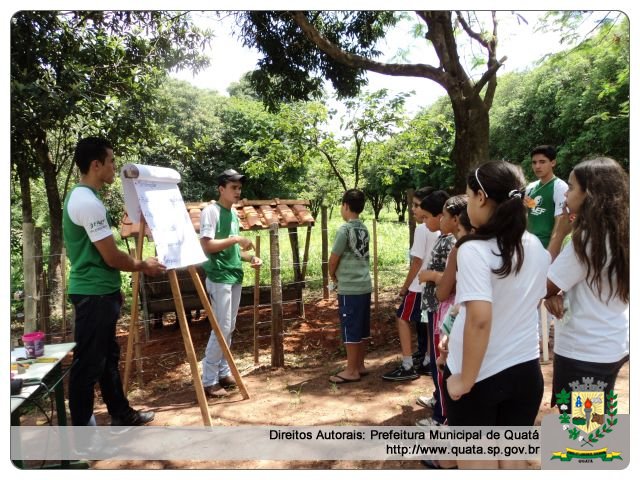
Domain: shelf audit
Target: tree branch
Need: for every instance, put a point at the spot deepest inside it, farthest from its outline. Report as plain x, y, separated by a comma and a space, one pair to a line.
491, 71
334, 168
493, 48
465, 26
358, 61
356, 167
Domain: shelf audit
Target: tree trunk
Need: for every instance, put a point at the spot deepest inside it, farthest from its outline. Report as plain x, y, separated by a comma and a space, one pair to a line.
55, 223
25, 191
399, 205
377, 202
471, 144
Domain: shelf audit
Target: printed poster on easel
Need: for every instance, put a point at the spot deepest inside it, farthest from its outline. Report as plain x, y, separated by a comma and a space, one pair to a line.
153, 191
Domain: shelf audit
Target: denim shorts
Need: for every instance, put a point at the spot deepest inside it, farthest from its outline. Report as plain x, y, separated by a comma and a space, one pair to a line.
355, 317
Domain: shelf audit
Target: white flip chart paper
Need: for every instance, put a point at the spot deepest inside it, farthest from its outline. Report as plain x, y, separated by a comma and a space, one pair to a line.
153, 191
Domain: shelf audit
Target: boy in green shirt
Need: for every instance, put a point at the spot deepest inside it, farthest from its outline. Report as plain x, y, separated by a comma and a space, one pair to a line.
349, 269
545, 198
225, 249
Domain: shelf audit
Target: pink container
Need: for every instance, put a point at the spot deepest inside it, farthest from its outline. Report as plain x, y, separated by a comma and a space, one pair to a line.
33, 344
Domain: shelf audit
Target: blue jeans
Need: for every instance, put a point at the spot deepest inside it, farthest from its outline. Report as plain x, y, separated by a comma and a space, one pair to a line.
96, 357
225, 300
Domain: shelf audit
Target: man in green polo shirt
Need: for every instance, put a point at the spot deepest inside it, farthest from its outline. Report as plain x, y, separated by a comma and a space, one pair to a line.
545, 199
94, 289
225, 249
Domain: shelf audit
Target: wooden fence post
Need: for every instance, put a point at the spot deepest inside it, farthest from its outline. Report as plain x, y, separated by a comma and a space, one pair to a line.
42, 301
30, 278
277, 347
63, 286
297, 268
325, 253
375, 274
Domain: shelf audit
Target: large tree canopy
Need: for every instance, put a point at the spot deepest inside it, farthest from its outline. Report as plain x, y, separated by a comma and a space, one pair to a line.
302, 48
86, 73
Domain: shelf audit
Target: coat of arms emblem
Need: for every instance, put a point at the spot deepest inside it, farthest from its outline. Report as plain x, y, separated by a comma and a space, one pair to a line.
588, 413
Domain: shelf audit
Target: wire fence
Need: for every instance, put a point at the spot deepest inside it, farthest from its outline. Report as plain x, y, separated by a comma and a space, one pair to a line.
303, 275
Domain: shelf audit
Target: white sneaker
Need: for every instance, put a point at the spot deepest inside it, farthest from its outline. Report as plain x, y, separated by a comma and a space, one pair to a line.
428, 402
427, 422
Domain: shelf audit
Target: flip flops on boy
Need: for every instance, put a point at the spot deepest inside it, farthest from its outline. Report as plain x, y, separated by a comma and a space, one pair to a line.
338, 379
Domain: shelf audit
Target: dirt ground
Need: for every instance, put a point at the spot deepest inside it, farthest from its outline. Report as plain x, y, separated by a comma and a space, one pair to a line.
299, 393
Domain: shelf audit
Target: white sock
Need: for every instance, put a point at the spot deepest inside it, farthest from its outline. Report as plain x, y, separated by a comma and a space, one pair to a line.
92, 421
407, 362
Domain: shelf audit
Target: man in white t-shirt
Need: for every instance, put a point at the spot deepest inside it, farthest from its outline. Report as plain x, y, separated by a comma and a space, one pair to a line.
409, 310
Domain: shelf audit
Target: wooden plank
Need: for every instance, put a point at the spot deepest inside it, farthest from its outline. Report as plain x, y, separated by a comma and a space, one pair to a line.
305, 259
297, 267
188, 345
133, 324
256, 308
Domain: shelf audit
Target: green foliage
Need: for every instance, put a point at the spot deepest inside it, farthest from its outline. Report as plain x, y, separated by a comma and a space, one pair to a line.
422, 149
291, 61
81, 73
577, 100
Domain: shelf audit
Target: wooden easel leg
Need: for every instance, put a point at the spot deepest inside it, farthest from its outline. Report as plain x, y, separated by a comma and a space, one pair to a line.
256, 308
204, 298
133, 325
188, 345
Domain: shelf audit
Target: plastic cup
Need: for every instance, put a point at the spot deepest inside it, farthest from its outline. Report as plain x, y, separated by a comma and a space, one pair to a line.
33, 344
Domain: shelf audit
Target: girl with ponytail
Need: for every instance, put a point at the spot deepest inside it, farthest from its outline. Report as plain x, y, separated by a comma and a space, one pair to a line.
493, 370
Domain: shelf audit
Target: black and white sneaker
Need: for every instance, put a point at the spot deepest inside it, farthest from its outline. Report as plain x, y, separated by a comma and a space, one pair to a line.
423, 369
401, 374
133, 418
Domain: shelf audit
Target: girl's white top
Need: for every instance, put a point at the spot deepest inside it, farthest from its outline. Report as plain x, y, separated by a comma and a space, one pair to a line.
514, 303
593, 330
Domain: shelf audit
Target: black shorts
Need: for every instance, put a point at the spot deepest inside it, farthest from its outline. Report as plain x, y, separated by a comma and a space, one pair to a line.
355, 317
509, 398
567, 370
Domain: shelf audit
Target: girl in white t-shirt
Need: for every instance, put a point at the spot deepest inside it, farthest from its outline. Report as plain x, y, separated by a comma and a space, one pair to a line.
493, 370
592, 331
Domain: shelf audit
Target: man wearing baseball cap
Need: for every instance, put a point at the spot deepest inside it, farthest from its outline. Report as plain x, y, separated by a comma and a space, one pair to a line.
225, 249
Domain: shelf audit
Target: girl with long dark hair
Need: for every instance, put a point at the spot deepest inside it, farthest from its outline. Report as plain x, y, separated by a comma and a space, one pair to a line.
592, 330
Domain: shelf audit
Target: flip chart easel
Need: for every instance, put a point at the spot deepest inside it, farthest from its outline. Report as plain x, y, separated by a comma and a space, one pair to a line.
152, 196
